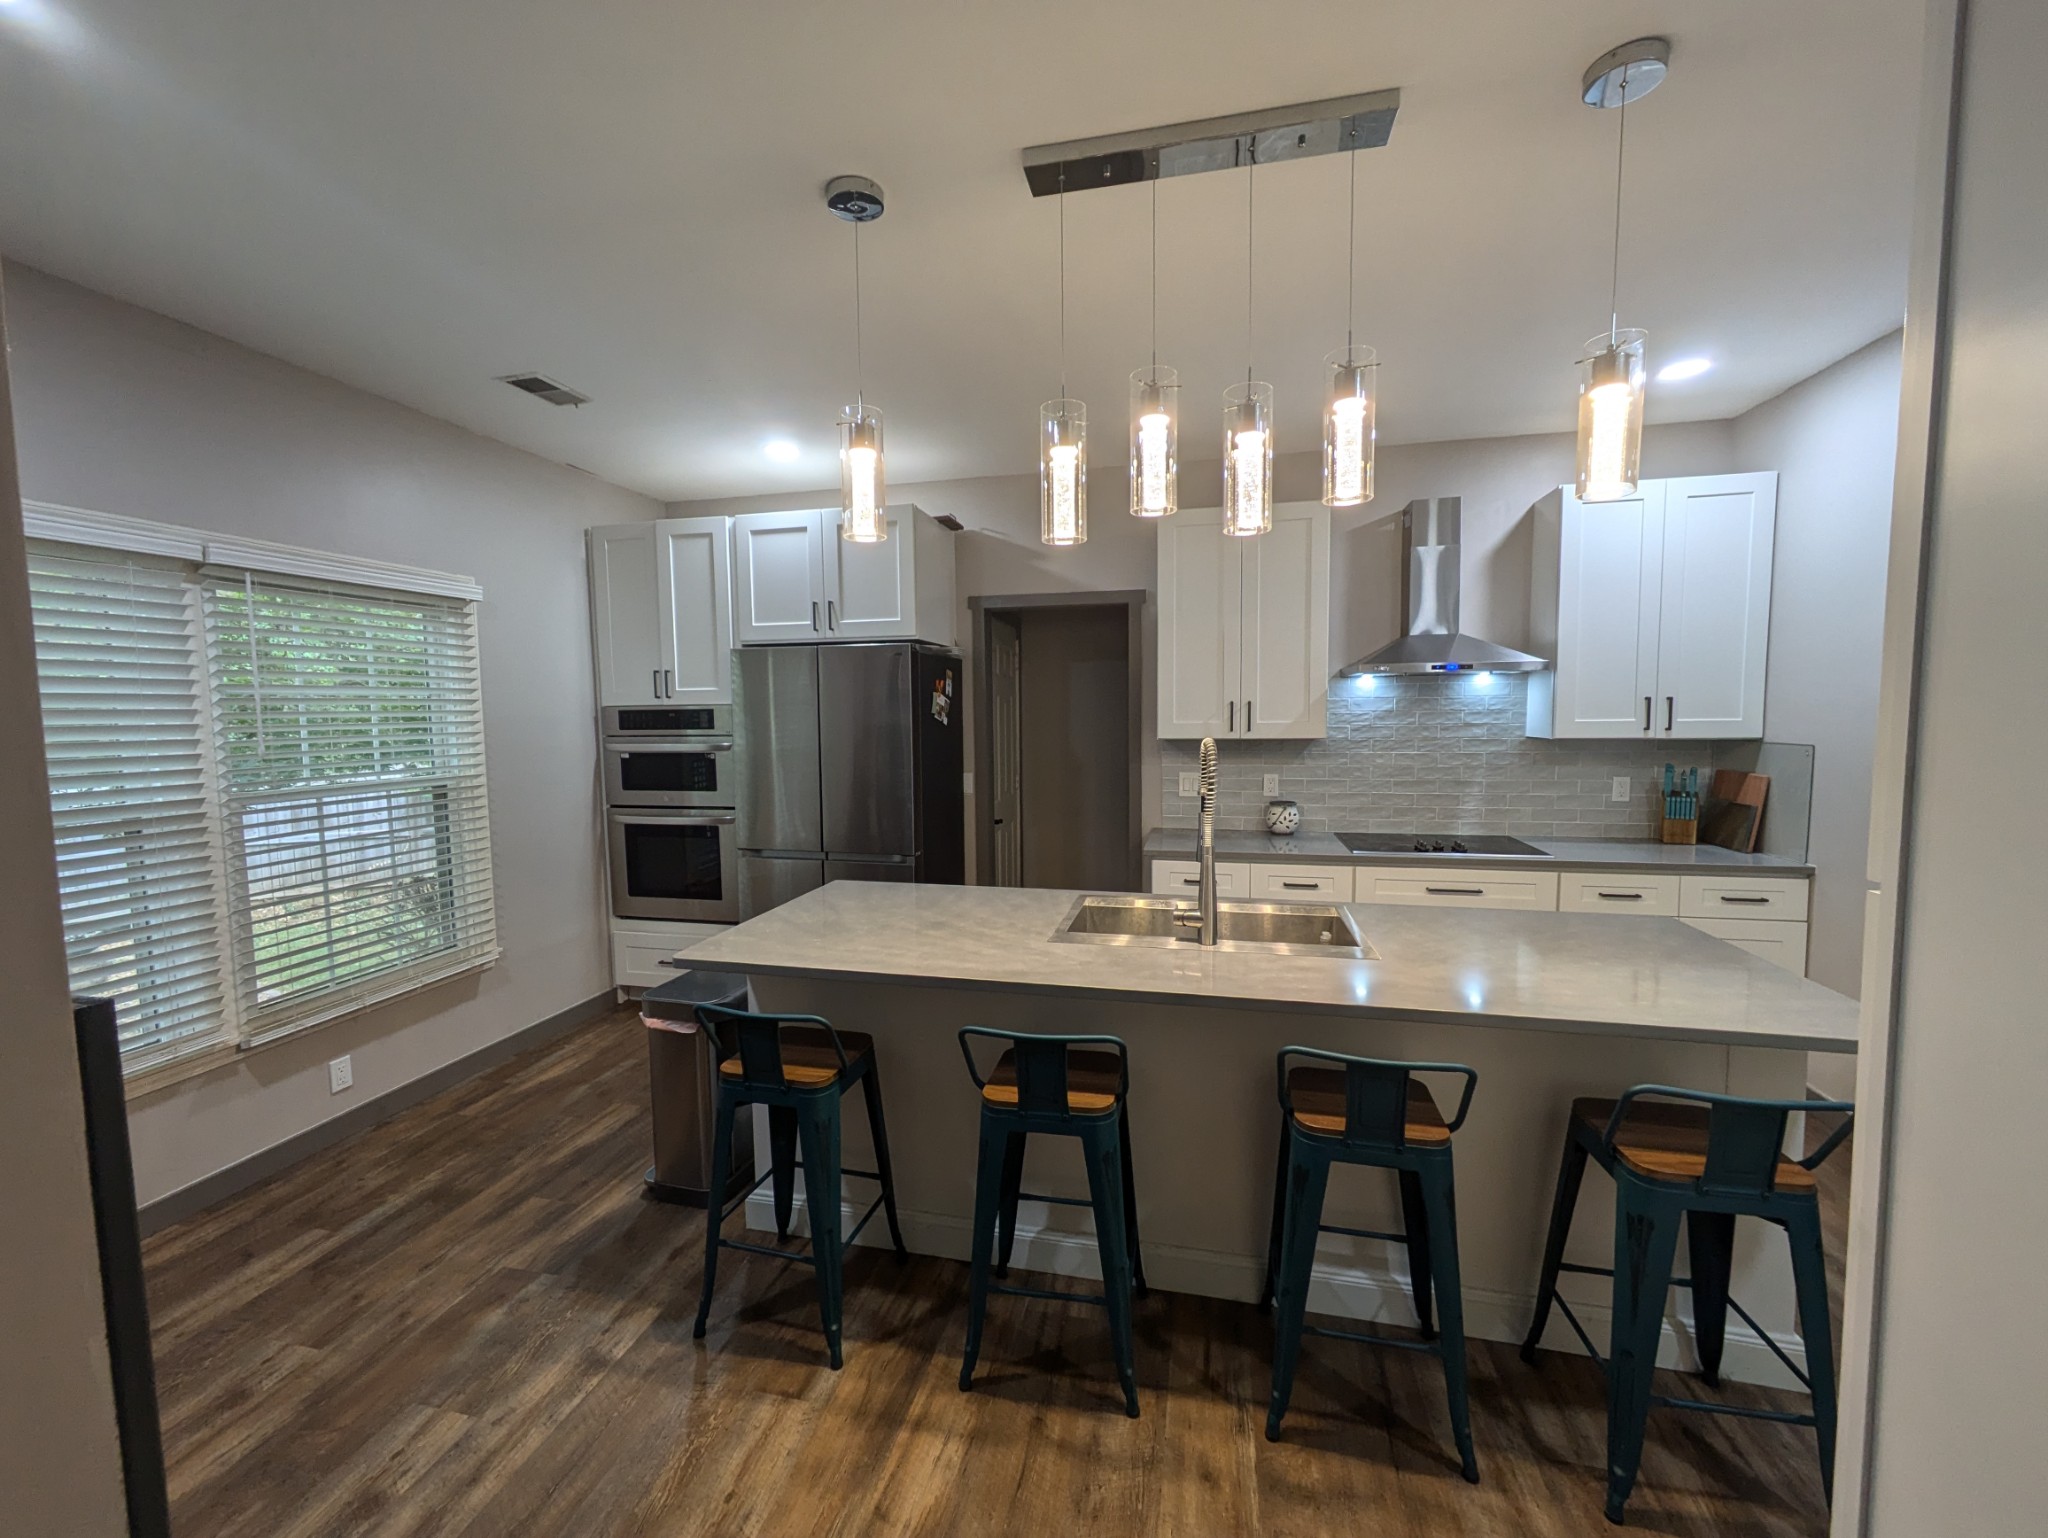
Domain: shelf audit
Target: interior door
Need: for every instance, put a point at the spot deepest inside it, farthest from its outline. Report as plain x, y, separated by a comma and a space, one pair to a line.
1005, 771
1284, 672
779, 576
625, 611
871, 590
1200, 619
1715, 613
1610, 555
695, 567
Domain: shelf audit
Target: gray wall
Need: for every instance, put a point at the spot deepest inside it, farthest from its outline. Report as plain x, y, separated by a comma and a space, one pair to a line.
1075, 748
1832, 440
60, 1463
1961, 1341
124, 411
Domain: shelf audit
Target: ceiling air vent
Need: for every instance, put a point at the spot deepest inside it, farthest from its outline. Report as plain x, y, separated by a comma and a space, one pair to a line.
545, 388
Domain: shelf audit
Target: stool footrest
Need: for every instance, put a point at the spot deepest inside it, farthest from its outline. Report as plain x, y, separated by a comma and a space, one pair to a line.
1578, 1270
1431, 1347
1100, 1300
1708, 1407
764, 1249
847, 1242
1057, 1201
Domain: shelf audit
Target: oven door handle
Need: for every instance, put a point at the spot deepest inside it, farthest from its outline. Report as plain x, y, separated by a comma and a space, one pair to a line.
677, 819
707, 745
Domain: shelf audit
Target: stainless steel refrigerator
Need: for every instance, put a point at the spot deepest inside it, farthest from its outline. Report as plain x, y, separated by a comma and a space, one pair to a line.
850, 764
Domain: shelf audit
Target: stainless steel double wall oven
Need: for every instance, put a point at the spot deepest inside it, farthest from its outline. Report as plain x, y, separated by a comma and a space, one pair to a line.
672, 797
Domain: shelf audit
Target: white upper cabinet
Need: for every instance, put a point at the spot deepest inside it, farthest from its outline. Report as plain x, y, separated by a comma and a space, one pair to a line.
661, 611
1655, 609
779, 576
1244, 626
795, 579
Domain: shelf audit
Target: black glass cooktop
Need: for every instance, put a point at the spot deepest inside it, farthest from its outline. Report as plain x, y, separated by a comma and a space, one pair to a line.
1495, 844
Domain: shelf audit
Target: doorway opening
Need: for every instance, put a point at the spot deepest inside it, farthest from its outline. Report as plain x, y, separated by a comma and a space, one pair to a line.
1057, 699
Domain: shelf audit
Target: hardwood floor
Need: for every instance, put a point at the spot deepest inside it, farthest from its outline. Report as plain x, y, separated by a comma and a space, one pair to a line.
469, 1322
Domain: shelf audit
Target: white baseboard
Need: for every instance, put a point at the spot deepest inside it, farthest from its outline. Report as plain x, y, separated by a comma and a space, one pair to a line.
1355, 1293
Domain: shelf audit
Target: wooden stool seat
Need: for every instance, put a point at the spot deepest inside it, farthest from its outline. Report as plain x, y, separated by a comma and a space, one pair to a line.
1092, 1081
808, 1061
1663, 1141
1318, 1096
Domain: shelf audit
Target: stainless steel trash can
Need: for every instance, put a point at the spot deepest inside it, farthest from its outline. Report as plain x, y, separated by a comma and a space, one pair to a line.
683, 1083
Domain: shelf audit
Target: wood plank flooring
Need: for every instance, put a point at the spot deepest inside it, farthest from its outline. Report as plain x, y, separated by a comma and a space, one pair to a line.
467, 1323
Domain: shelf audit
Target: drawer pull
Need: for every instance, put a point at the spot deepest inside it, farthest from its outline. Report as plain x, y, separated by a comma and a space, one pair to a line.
1303, 886
1191, 881
1455, 891
1751, 900
1621, 897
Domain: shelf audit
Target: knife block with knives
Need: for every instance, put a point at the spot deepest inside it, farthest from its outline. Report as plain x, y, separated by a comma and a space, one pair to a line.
1681, 806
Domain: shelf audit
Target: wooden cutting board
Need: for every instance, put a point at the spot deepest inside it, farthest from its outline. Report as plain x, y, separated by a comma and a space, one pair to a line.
1733, 815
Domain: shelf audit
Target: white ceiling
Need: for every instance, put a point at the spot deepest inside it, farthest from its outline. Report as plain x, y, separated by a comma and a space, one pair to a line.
418, 197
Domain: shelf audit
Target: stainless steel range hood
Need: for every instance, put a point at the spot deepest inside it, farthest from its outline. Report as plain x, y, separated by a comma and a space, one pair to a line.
1429, 594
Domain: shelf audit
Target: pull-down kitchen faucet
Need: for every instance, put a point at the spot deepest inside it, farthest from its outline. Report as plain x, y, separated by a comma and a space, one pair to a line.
1204, 916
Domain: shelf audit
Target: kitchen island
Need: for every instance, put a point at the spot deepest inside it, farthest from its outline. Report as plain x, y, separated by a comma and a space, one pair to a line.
1546, 1006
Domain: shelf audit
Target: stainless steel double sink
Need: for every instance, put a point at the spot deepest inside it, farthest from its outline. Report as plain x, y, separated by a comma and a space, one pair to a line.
1274, 929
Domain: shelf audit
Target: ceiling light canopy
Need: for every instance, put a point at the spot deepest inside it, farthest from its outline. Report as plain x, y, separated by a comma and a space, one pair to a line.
1611, 376
863, 488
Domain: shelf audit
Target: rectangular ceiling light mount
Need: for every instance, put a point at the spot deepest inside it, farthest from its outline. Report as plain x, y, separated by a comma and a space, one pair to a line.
1329, 127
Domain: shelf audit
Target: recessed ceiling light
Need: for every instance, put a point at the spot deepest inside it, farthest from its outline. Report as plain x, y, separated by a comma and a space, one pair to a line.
1684, 368
781, 450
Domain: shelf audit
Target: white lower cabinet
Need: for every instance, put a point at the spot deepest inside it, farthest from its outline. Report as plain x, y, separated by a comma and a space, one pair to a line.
1782, 942
1436, 887
1182, 878
1606, 891
1743, 897
638, 950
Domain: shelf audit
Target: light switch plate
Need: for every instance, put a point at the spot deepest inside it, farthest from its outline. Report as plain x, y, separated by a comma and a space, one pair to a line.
1272, 785
1190, 783
1620, 791
967, 781
341, 1075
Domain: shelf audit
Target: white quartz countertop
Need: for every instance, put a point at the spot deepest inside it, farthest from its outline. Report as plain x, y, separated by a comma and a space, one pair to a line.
1573, 853
1580, 973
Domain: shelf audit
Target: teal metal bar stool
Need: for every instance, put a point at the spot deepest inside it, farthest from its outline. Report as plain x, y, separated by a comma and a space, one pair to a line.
1066, 1086
797, 1066
1365, 1111
1708, 1159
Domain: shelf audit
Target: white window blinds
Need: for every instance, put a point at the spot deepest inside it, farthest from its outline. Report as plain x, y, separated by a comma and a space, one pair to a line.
348, 727
137, 858
268, 792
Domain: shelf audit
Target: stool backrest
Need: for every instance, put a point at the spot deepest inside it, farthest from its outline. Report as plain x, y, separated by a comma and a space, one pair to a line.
757, 1041
1375, 1094
1745, 1136
1041, 1064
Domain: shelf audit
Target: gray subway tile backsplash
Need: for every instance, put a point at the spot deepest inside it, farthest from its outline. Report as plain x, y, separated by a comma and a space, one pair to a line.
1435, 755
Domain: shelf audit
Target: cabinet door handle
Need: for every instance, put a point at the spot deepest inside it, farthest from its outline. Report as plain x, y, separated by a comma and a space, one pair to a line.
1233, 716
1646, 712
657, 683
668, 683
831, 615
1455, 891
1622, 897
1750, 900
1247, 715
814, 614
1670, 704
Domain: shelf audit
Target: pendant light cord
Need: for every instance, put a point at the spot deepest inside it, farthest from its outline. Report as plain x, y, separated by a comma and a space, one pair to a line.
1351, 271
1251, 165
859, 391
1063, 283
1614, 281
1155, 280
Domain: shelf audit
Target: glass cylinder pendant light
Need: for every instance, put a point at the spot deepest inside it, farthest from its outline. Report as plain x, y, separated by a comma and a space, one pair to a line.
1063, 439
863, 488
1351, 409
1248, 458
1611, 415
1612, 374
1248, 424
1155, 417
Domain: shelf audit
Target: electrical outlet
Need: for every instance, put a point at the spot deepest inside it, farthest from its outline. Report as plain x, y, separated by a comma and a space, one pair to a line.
1272, 785
967, 781
341, 1074
1190, 783
1620, 791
